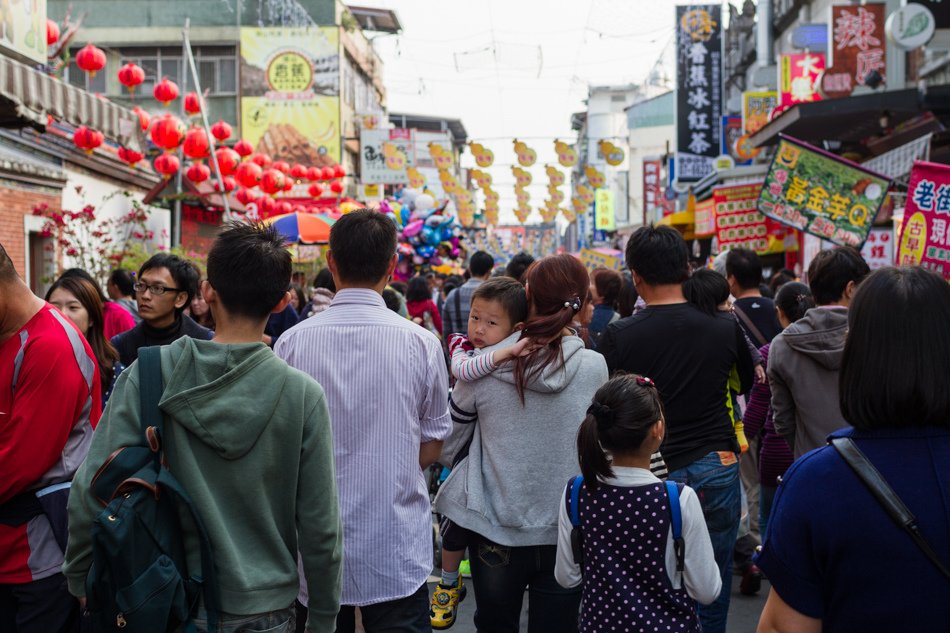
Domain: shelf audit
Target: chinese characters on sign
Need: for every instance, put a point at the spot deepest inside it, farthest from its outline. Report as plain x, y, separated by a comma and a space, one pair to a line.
739, 223
924, 237
878, 251
756, 108
652, 188
798, 77
704, 224
857, 47
698, 89
604, 210
822, 194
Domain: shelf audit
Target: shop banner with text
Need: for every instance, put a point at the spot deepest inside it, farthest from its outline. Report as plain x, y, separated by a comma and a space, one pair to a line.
878, 251
739, 224
704, 223
857, 46
820, 193
799, 74
757, 106
698, 88
652, 188
926, 215
290, 93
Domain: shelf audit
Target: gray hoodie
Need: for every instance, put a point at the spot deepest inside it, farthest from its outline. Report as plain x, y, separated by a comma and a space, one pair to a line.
803, 373
509, 487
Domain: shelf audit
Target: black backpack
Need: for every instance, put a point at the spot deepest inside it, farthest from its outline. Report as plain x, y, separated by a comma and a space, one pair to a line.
139, 580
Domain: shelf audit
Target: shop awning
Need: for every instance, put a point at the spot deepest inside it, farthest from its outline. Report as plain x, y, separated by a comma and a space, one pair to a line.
853, 119
680, 218
29, 97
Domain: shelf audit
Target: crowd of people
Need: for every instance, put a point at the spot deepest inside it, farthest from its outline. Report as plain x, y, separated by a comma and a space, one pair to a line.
614, 445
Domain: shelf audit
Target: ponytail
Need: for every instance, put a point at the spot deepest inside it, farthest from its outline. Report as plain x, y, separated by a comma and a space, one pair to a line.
794, 299
591, 457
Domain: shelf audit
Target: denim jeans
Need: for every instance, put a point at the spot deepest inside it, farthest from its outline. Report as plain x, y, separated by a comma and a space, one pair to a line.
405, 615
500, 575
280, 621
718, 488
766, 497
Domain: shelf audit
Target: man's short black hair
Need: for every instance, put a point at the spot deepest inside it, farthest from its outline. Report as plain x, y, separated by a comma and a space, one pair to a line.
745, 266
830, 272
659, 255
391, 299
181, 270
249, 268
123, 280
897, 354
363, 244
509, 293
481, 264
518, 264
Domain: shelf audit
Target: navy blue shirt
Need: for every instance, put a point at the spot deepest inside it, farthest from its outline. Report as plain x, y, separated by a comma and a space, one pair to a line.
280, 322
832, 552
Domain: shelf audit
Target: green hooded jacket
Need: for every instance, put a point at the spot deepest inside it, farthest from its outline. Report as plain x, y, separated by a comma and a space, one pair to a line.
249, 438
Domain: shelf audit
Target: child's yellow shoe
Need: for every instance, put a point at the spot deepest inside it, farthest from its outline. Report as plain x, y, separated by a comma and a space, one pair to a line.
444, 604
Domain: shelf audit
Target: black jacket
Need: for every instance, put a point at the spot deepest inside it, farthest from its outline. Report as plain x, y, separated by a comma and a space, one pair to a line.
143, 335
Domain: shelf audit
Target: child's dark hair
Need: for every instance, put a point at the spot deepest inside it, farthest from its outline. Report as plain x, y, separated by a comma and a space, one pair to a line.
795, 299
509, 293
418, 289
706, 290
618, 420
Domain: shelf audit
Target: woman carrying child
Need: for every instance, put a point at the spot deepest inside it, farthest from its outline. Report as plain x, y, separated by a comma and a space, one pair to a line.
506, 492
631, 575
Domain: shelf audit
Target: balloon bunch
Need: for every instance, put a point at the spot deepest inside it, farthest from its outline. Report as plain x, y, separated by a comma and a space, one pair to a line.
428, 235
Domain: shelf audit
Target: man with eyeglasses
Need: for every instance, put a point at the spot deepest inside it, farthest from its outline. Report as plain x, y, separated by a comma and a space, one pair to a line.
164, 287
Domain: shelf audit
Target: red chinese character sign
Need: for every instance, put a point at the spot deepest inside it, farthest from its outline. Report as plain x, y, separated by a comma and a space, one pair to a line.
652, 188
698, 89
878, 251
927, 212
820, 193
739, 224
798, 78
857, 48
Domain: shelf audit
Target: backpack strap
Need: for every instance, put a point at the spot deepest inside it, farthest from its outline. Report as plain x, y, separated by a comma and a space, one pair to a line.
761, 340
575, 490
679, 545
458, 307
151, 388
885, 495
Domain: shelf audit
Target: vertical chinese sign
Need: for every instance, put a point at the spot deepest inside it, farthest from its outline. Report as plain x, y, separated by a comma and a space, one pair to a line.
924, 231
822, 194
652, 188
856, 48
698, 89
799, 74
290, 93
604, 210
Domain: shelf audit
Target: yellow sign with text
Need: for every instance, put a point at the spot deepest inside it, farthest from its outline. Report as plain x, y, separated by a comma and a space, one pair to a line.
604, 210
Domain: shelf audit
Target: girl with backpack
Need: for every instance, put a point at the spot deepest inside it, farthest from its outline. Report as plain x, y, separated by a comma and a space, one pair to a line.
641, 549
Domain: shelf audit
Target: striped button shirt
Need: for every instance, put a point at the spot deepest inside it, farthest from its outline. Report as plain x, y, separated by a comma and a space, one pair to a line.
386, 387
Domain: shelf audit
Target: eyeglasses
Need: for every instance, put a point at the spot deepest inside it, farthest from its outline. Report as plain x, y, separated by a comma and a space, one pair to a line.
155, 289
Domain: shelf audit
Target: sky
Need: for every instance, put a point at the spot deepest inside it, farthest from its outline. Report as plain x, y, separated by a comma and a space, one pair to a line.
517, 68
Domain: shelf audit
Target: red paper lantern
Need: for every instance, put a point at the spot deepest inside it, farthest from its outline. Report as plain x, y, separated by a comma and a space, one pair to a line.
168, 132
165, 91
197, 145
282, 166
266, 205
314, 174
284, 207
131, 76
326, 173
299, 209
249, 174
144, 117
221, 130
338, 171
288, 183
192, 103
198, 172
167, 165
261, 159
91, 59
52, 32
87, 140
336, 187
272, 181
298, 171
244, 196
230, 184
315, 190
131, 157
243, 148
228, 160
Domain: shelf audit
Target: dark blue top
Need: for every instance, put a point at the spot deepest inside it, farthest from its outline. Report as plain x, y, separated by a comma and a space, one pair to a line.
280, 322
832, 552
603, 313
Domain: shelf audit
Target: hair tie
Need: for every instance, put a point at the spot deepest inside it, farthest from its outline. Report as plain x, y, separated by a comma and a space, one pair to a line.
603, 414
643, 381
574, 304
800, 298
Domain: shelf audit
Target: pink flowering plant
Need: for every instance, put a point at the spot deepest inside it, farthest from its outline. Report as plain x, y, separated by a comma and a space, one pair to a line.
92, 241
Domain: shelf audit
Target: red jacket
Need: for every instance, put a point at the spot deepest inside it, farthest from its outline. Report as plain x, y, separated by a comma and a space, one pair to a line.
417, 310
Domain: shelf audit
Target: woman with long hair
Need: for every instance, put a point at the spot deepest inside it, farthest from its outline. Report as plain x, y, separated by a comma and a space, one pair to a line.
836, 558
522, 453
78, 300
605, 287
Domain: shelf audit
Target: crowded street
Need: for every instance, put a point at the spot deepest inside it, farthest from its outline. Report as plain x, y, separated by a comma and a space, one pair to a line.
498, 317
